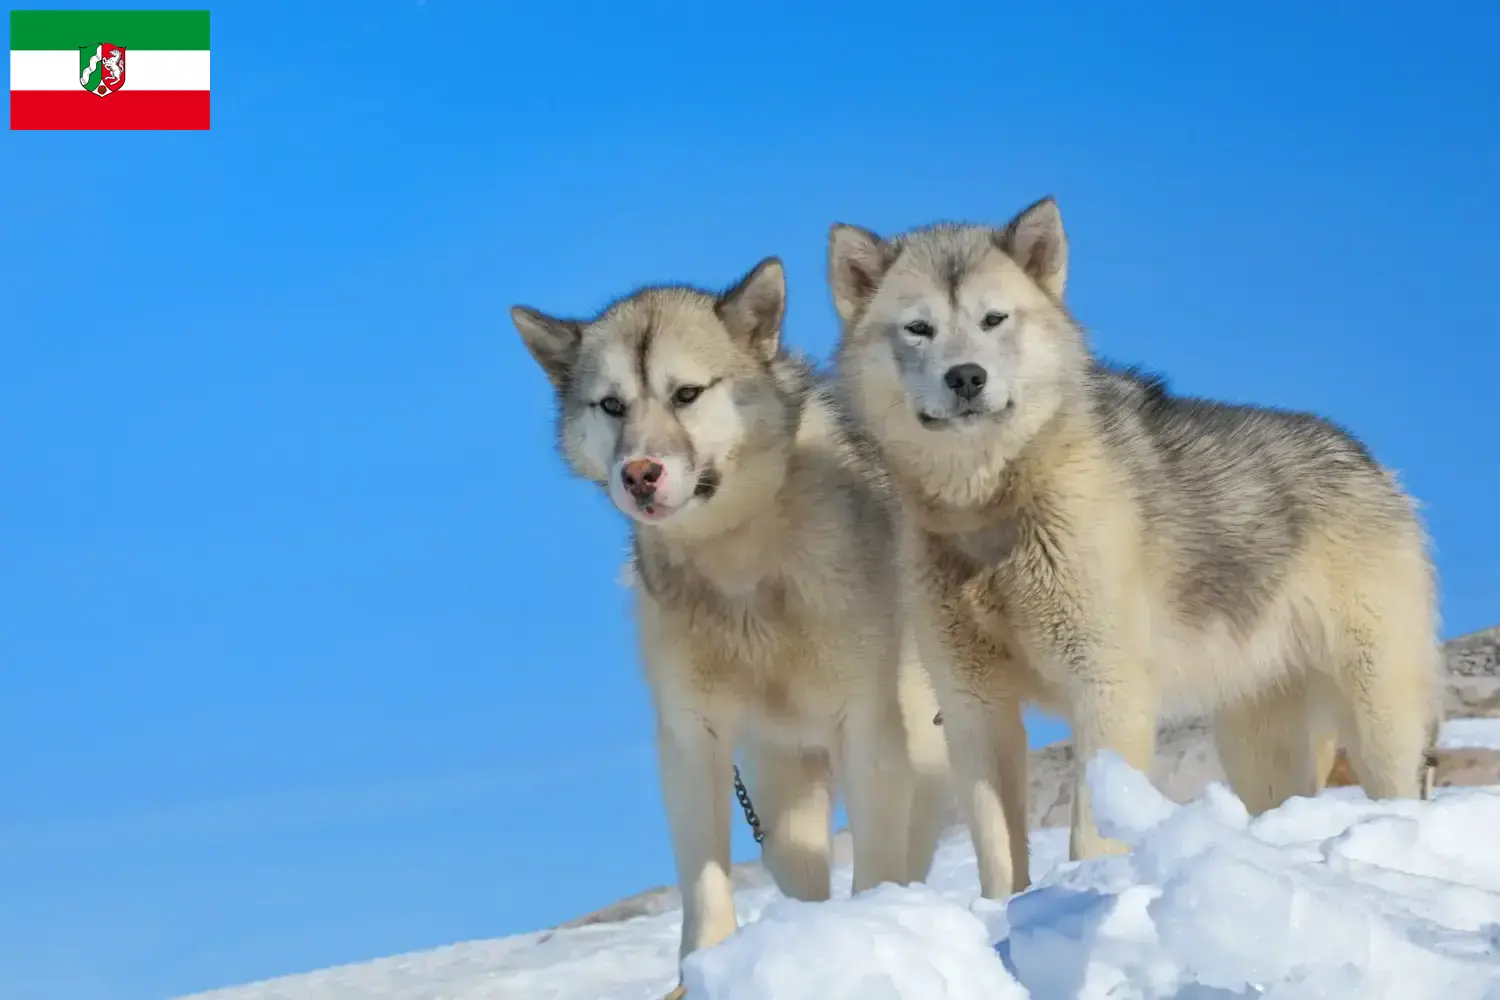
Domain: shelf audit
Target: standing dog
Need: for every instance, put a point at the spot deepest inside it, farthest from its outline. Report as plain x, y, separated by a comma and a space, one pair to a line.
766, 593
1079, 537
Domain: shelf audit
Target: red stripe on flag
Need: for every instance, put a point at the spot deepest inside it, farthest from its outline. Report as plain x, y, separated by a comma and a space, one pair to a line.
128, 109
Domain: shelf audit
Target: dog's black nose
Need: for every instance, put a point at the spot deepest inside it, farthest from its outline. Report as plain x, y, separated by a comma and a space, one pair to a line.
967, 381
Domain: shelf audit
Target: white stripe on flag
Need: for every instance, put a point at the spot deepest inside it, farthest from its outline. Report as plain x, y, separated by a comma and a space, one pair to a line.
145, 69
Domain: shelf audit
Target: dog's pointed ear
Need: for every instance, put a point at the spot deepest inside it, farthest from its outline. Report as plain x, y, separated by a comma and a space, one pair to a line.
1035, 240
753, 309
857, 260
552, 341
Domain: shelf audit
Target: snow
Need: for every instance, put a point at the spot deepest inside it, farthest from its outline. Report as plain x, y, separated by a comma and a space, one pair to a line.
906, 942
1470, 733
1327, 898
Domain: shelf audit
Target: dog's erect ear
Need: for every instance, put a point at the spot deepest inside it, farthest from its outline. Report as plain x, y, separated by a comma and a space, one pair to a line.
752, 309
552, 341
857, 260
1035, 240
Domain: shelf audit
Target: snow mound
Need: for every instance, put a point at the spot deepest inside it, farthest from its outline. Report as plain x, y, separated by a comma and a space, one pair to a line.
886, 944
1470, 733
1329, 898
1334, 897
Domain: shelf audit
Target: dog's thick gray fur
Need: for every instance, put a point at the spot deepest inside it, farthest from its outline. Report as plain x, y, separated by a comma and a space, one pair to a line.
1076, 535
766, 599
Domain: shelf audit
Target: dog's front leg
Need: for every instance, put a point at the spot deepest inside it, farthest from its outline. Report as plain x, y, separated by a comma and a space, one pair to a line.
791, 790
696, 760
879, 782
1113, 707
987, 747
974, 678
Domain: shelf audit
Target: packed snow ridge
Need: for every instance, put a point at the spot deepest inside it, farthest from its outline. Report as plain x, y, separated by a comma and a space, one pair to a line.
1323, 898
1333, 898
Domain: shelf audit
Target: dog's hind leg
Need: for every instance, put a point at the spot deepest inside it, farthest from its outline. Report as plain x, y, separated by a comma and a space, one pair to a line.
1389, 713
879, 782
791, 791
1387, 666
1274, 746
931, 813
933, 808
1383, 656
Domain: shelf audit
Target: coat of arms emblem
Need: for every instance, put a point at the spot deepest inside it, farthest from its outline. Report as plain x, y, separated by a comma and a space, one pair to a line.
101, 68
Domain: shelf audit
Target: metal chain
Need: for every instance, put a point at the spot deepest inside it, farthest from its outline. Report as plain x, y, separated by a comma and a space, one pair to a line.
744, 797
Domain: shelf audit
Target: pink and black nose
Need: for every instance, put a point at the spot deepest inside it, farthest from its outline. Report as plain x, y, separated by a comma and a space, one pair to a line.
640, 477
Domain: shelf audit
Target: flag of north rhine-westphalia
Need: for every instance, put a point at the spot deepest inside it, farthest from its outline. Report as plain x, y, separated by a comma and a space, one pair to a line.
108, 69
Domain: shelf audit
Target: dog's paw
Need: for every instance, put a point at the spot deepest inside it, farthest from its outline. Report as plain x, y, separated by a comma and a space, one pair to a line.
676, 994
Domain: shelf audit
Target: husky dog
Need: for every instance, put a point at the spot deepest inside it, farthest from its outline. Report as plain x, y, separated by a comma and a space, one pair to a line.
1079, 537
766, 594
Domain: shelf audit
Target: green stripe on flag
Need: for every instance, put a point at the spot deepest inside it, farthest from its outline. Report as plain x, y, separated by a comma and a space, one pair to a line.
134, 29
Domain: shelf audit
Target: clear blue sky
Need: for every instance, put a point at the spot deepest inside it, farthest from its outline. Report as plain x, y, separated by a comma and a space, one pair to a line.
310, 652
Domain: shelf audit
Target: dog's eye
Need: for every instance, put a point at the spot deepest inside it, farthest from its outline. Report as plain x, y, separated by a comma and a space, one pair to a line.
686, 394
994, 319
612, 406
919, 328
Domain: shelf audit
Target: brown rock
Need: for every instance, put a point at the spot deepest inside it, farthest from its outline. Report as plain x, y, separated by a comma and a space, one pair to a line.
1467, 767
1459, 767
1341, 775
